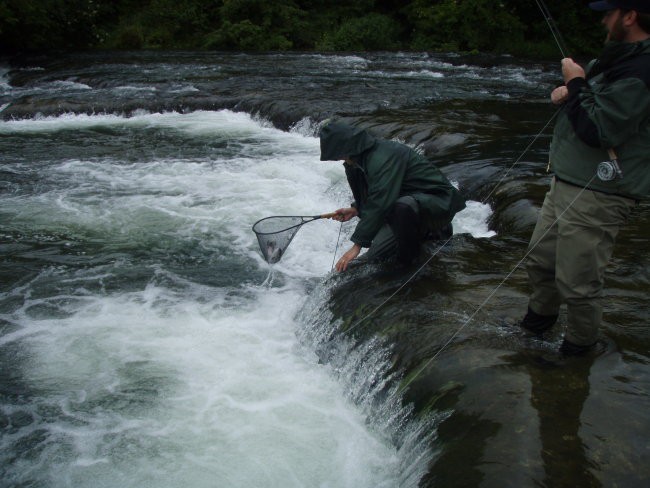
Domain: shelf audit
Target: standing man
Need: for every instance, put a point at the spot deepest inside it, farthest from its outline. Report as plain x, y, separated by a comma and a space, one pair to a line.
606, 117
400, 198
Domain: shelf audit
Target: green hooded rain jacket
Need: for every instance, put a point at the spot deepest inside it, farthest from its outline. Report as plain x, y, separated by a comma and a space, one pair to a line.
384, 171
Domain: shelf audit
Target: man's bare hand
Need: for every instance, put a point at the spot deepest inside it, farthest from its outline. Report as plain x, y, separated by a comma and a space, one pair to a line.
351, 254
345, 214
571, 70
560, 95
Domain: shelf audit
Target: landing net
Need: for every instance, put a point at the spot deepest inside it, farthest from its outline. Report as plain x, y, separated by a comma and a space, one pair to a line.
274, 235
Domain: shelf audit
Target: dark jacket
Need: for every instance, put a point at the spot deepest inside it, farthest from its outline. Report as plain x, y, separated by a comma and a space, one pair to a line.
610, 109
384, 171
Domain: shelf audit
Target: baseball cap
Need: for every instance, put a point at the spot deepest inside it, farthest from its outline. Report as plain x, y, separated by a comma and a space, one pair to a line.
642, 6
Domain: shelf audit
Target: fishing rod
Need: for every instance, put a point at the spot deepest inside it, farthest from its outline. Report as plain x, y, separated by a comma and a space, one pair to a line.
557, 35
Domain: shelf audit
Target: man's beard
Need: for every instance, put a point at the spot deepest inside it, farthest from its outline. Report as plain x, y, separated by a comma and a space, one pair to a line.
617, 32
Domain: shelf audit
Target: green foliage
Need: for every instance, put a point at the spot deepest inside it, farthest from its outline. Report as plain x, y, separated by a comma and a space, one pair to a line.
129, 36
467, 25
42, 24
513, 26
246, 36
578, 25
162, 24
371, 32
258, 25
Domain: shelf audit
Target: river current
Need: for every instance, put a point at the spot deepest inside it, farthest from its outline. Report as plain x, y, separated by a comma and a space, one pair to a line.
145, 342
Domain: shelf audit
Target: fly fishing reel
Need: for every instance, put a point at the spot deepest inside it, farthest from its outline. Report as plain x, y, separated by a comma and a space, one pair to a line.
609, 171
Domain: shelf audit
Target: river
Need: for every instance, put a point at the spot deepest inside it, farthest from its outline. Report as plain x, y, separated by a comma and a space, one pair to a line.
145, 342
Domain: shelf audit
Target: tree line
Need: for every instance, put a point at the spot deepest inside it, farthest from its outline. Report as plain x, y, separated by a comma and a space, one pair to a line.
496, 26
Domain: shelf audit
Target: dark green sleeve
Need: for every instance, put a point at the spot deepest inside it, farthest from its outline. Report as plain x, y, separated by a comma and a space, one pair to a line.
385, 170
609, 114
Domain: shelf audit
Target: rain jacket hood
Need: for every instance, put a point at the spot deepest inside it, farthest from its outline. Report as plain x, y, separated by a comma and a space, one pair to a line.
339, 141
382, 172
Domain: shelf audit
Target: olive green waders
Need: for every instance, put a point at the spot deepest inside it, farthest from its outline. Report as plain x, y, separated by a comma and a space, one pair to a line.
410, 233
384, 245
569, 254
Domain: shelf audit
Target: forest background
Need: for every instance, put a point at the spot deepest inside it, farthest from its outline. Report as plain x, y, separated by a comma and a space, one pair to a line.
515, 27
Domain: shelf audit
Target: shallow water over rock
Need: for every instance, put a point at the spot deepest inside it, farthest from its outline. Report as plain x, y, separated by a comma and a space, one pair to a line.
143, 339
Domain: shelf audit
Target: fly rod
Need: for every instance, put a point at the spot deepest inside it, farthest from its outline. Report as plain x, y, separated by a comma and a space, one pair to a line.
557, 35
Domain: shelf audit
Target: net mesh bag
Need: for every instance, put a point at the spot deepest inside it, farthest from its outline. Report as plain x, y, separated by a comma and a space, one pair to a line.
274, 235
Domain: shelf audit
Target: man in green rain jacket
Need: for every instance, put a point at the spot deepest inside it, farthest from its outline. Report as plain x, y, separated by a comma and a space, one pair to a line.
606, 113
400, 198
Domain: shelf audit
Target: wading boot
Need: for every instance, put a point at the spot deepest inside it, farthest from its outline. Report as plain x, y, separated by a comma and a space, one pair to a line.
537, 324
567, 354
568, 348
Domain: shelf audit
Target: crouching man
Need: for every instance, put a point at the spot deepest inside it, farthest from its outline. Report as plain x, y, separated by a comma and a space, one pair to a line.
400, 197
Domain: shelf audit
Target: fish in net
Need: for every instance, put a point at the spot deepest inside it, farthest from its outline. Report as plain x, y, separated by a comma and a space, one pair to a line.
274, 234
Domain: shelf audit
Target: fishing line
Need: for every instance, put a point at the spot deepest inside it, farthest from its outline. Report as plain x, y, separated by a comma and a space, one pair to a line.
410, 278
559, 40
531, 249
337, 247
522, 154
356, 324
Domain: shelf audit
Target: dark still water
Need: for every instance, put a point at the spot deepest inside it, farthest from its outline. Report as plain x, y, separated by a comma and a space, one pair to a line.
145, 342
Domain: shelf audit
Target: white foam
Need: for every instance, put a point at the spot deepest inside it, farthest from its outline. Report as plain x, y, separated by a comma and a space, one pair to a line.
276, 173
180, 383
5, 87
223, 123
306, 127
342, 60
168, 388
68, 85
425, 73
131, 89
183, 89
473, 220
